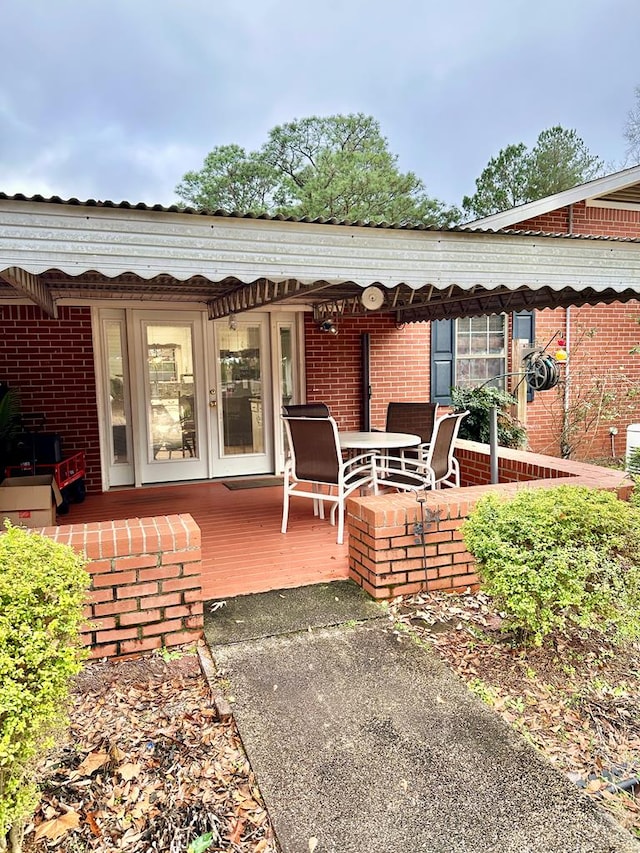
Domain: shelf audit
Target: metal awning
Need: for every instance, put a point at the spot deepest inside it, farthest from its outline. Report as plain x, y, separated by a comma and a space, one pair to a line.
53, 250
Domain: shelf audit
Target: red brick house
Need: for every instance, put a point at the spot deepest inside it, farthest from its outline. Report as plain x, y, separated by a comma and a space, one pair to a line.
163, 341
604, 374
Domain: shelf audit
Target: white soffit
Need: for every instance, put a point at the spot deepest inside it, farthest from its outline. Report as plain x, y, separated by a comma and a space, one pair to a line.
37, 237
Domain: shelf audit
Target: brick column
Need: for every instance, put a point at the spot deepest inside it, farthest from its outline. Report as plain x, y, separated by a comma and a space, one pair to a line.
387, 555
145, 582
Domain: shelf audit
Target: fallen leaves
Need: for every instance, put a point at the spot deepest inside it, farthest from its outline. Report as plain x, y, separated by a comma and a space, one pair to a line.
148, 765
58, 827
94, 761
575, 702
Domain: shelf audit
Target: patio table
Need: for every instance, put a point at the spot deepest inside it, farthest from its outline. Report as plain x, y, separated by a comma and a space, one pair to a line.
377, 440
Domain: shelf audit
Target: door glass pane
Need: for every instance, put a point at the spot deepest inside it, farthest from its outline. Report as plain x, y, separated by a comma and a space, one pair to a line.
118, 393
286, 364
170, 382
240, 360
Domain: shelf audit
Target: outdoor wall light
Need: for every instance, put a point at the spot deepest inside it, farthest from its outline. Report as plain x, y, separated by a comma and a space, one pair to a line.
329, 326
233, 322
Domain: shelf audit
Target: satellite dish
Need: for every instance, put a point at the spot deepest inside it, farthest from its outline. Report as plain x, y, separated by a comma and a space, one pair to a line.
372, 298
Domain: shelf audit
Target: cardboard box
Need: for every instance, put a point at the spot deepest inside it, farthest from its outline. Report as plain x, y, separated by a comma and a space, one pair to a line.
30, 501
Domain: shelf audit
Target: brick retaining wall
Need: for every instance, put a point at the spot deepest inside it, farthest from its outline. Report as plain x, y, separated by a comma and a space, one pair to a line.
146, 589
387, 556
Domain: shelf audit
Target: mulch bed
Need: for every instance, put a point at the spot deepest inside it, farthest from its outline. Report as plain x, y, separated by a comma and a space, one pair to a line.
576, 700
148, 766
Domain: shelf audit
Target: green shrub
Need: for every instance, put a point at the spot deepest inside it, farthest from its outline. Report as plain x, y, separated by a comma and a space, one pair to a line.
555, 557
478, 402
42, 591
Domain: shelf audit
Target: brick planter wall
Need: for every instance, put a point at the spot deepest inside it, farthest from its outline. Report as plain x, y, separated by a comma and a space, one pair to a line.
146, 589
387, 555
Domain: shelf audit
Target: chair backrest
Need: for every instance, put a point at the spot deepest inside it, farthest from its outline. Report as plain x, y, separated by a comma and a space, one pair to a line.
307, 410
440, 453
415, 418
315, 448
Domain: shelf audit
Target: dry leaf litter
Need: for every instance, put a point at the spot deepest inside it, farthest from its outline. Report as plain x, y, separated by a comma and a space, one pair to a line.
576, 701
147, 765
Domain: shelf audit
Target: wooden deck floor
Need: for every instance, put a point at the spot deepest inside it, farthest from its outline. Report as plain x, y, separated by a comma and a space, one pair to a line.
243, 550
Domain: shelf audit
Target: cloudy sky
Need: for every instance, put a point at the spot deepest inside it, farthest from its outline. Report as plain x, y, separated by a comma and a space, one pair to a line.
116, 99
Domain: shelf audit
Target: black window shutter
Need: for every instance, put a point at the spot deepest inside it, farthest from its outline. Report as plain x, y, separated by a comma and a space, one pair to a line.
524, 328
442, 360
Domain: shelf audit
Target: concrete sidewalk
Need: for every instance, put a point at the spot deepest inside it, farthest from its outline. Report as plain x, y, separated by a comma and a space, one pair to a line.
364, 740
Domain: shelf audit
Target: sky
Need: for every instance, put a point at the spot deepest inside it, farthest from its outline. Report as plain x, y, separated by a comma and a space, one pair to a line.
117, 99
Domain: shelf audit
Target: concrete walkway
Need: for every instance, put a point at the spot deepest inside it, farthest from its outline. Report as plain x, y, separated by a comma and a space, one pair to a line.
363, 740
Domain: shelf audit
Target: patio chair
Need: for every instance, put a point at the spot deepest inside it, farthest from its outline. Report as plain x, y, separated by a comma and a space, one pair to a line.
438, 468
440, 454
307, 410
316, 465
415, 418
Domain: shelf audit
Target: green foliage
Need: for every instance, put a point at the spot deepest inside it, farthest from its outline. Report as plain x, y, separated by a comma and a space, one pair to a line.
230, 179
558, 161
42, 591
201, 843
552, 558
478, 402
9, 412
334, 166
503, 183
633, 467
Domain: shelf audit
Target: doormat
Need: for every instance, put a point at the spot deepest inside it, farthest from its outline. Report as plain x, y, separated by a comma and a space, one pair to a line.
253, 483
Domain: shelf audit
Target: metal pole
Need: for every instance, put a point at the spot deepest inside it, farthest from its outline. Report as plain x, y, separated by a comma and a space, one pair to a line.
493, 442
365, 380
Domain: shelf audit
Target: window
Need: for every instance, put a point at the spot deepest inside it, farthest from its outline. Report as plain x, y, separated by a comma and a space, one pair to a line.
480, 352
471, 350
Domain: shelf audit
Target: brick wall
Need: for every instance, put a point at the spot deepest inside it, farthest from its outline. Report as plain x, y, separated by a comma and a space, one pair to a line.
51, 363
387, 555
399, 366
601, 337
600, 221
145, 582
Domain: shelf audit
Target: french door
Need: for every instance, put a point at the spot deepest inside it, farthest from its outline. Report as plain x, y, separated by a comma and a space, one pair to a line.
187, 399
240, 396
171, 395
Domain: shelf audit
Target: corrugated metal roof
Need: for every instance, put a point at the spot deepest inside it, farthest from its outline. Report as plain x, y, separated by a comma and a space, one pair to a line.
277, 217
95, 249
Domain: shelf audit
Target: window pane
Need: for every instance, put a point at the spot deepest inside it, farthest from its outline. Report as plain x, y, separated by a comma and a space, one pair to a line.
242, 401
480, 350
464, 345
117, 393
496, 343
170, 380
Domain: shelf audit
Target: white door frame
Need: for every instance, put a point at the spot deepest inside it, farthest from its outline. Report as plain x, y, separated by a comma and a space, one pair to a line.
206, 364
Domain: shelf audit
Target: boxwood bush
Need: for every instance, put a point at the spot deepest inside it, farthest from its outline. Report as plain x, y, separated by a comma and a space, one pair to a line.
42, 590
557, 557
